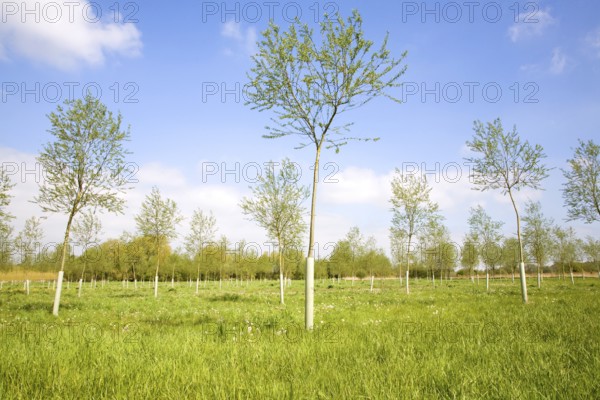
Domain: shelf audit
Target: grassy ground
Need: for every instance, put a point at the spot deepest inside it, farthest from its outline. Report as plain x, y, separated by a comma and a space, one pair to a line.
454, 341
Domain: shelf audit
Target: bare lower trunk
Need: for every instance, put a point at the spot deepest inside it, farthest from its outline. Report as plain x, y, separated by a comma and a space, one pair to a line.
59, 281
156, 286
281, 300
372, 279
281, 283
61, 273
521, 258
309, 292
487, 280
571, 274
309, 301
408, 263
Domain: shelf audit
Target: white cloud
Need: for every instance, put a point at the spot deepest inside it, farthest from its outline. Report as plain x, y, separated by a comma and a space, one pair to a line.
245, 40
359, 198
531, 25
356, 186
558, 62
231, 29
159, 175
63, 36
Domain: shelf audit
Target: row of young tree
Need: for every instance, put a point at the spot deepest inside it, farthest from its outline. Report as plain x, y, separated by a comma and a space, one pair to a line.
276, 205
502, 161
548, 248
308, 84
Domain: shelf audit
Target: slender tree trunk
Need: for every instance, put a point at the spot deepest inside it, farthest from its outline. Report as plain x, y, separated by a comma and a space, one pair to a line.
408, 263
157, 266
400, 271
310, 260
521, 258
61, 273
487, 279
539, 277
198, 278
281, 283
372, 280
571, 274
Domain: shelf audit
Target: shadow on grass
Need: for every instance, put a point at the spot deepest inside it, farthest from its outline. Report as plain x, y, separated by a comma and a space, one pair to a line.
234, 297
39, 306
128, 295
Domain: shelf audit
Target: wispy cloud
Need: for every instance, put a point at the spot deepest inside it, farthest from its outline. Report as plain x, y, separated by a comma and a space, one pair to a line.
245, 40
66, 42
531, 25
558, 62
592, 41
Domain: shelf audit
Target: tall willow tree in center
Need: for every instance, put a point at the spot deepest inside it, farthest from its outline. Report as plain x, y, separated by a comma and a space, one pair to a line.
309, 84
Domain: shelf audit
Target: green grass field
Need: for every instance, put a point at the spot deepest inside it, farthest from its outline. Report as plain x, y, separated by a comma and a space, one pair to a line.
452, 341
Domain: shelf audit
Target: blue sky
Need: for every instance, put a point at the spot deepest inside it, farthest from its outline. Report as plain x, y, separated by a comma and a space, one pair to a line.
175, 72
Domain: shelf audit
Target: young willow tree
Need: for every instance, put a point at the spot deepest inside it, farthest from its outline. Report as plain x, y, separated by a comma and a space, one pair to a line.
469, 258
158, 220
29, 242
508, 164
439, 252
537, 236
591, 248
355, 242
309, 85
565, 249
84, 166
202, 232
486, 234
86, 231
5, 186
6, 230
276, 205
582, 190
413, 210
